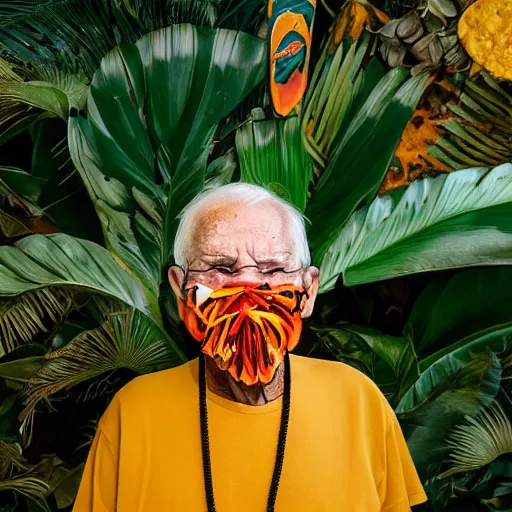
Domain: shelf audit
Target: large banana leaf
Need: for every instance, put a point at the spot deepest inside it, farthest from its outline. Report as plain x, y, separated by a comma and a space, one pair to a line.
272, 155
153, 110
439, 316
60, 260
362, 157
447, 366
456, 220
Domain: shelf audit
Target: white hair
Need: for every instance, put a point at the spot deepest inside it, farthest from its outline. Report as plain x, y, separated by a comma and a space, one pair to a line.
244, 193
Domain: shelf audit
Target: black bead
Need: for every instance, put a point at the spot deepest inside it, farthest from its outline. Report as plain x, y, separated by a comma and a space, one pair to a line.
205, 440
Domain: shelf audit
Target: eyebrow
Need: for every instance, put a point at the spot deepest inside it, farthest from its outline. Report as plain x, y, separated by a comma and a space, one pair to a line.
219, 259
274, 259
224, 259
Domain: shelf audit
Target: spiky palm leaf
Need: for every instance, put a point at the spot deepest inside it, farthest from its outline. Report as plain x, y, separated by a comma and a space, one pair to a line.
74, 35
23, 316
334, 86
125, 339
16, 475
484, 438
479, 133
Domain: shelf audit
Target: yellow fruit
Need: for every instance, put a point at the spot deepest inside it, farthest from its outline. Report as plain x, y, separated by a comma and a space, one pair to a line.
485, 30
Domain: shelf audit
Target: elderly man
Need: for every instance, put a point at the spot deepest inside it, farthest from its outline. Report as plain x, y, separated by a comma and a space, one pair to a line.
247, 427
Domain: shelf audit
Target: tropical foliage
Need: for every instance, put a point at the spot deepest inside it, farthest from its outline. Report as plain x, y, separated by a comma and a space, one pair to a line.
395, 142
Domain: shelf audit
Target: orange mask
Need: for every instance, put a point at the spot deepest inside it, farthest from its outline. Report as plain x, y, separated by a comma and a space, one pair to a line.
246, 329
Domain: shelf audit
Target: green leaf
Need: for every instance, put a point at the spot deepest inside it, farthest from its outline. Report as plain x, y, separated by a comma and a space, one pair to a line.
153, 111
51, 91
455, 386
22, 370
362, 158
11, 227
220, 171
479, 130
64, 484
63, 188
495, 337
454, 220
433, 379
389, 360
272, 155
56, 267
334, 86
126, 338
480, 441
439, 317
22, 183
60, 260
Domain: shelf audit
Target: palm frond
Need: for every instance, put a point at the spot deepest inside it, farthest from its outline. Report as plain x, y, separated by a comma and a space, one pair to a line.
74, 35
18, 476
30, 486
11, 460
479, 131
125, 339
335, 83
32, 93
483, 439
23, 316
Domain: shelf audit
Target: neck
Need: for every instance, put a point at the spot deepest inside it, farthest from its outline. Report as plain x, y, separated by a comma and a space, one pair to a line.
223, 384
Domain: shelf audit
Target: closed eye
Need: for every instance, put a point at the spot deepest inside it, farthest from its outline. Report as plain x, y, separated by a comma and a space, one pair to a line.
222, 270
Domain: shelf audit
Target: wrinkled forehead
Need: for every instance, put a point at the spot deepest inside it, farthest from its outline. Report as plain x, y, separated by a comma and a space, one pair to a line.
238, 230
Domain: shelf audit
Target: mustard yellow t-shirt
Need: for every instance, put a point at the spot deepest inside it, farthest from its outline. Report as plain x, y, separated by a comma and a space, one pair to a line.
344, 452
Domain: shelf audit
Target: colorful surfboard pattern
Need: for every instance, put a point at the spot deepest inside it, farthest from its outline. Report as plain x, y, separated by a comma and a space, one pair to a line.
290, 28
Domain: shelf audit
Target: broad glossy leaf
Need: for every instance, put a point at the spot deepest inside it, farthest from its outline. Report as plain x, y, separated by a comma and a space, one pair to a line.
361, 159
153, 110
62, 261
272, 155
435, 376
496, 337
220, 171
63, 187
389, 360
455, 220
455, 386
449, 309
22, 183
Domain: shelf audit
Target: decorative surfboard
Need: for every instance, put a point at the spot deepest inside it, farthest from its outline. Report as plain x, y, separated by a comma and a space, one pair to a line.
290, 28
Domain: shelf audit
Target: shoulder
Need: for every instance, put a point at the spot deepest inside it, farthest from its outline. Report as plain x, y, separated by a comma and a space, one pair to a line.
166, 383
333, 372
144, 395
342, 384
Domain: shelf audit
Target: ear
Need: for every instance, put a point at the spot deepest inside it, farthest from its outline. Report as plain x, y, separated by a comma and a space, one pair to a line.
176, 278
311, 286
